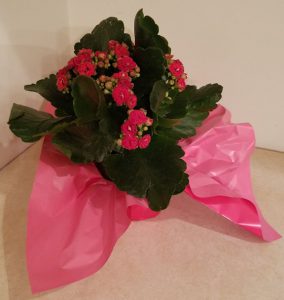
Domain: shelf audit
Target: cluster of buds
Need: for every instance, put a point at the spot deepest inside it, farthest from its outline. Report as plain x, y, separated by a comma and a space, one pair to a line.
134, 130
81, 64
175, 75
114, 71
96, 64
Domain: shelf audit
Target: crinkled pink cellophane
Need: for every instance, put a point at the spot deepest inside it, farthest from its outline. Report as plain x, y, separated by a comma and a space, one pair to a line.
76, 216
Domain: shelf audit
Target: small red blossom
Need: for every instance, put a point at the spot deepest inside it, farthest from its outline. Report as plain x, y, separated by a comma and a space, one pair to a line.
121, 50
128, 128
78, 60
62, 72
126, 64
101, 55
121, 94
131, 102
123, 79
137, 117
130, 142
181, 84
149, 122
112, 44
86, 52
168, 56
62, 82
86, 68
144, 141
176, 68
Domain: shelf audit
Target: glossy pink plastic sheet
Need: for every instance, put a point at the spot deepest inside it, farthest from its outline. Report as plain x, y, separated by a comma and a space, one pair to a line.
76, 216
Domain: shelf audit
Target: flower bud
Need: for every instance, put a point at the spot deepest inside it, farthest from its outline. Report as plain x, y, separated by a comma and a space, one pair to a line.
102, 78
149, 122
101, 64
108, 85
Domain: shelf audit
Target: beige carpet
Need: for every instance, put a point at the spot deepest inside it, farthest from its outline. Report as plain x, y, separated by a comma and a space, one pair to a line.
187, 252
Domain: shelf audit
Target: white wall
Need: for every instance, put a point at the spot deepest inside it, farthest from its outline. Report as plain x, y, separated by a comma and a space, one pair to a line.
33, 41
239, 44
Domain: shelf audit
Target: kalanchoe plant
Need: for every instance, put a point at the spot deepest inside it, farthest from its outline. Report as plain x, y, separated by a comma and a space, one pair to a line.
123, 106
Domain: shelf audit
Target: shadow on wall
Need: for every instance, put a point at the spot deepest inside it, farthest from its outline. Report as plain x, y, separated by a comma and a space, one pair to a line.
32, 46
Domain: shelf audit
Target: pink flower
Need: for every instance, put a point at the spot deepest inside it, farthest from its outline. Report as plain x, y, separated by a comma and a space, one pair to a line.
62, 72
137, 117
181, 84
78, 60
129, 142
62, 82
101, 55
112, 44
126, 64
144, 141
86, 52
121, 50
121, 94
176, 68
123, 79
131, 102
71, 63
149, 122
86, 68
127, 128
168, 56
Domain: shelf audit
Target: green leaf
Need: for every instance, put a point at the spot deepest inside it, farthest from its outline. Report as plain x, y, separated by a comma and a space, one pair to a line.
84, 143
146, 33
179, 106
205, 98
152, 64
182, 184
155, 172
109, 29
173, 106
180, 128
30, 124
47, 89
158, 101
89, 101
199, 103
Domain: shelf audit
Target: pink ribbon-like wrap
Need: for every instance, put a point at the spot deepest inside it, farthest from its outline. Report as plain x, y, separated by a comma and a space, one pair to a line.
76, 216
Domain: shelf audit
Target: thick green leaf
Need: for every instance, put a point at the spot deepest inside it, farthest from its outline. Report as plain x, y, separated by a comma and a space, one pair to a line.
182, 184
179, 106
47, 89
181, 128
30, 124
155, 172
152, 64
173, 107
84, 143
109, 29
205, 98
199, 103
89, 101
146, 33
158, 100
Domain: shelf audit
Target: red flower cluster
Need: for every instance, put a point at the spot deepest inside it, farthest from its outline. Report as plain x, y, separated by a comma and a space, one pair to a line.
119, 85
176, 74
133, 130
81, 64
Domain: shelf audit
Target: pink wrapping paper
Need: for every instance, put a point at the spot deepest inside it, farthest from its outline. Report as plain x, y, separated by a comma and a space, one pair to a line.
76, 216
